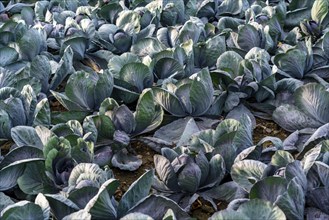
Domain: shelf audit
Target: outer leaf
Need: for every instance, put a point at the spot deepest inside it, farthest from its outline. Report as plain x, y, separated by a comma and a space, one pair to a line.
229, 61
82, 214
65, 67
10, 173
281, 158
169, 102
8, 55
262, 209
247, 172
249, 37
269, 189
87, 171
156, 207
22, 210
201, 92
166, 172
147, 46
34, 180
138, 75
292, 202
60, 205
80, 89
101, 206
189, 178
146, 112
26, 136
44, 204
292, 62
184, 128
126, 161
322, 204
313, 99
136, 192
5, 201
32, 43
319, 10
291, 118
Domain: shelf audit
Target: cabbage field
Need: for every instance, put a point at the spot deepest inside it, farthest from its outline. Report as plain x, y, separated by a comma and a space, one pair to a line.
164, 109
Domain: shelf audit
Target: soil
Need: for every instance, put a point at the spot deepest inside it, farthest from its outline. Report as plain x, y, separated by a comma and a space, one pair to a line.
268, 128
126, 178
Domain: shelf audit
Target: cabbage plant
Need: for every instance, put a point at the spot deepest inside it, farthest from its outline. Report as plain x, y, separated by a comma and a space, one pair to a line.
85, 91
116, 125
307, 110
186, 176
21, 108
193, 96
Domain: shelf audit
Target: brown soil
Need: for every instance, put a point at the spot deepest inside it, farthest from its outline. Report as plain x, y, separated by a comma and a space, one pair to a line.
126, 178
57, 106
268, 128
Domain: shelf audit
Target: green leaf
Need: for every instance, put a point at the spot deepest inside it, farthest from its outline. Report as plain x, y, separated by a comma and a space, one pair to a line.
319, 10
166, 172
65, 67
201, 92
87, 171
281, 158
100, 206
291, 118
261, 209
169, 102
10, 173
189, 178
292, 202
129, 21
81, 196
60, 205
82, 214
135, 193
126, 161
146, 112
269, 188
5, 125
247, 172
8, 56
32, 43
313, 99
42, 113
34, 180
147, 46
22, 210
249, 37
63, 117
44, 204
100, 126
138, 75
229, 61
78, 46
292, 62
103, 88
156, 206
217, 170
184, 128
80, 89
5, 201
136, 216
168, 67
26, 136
